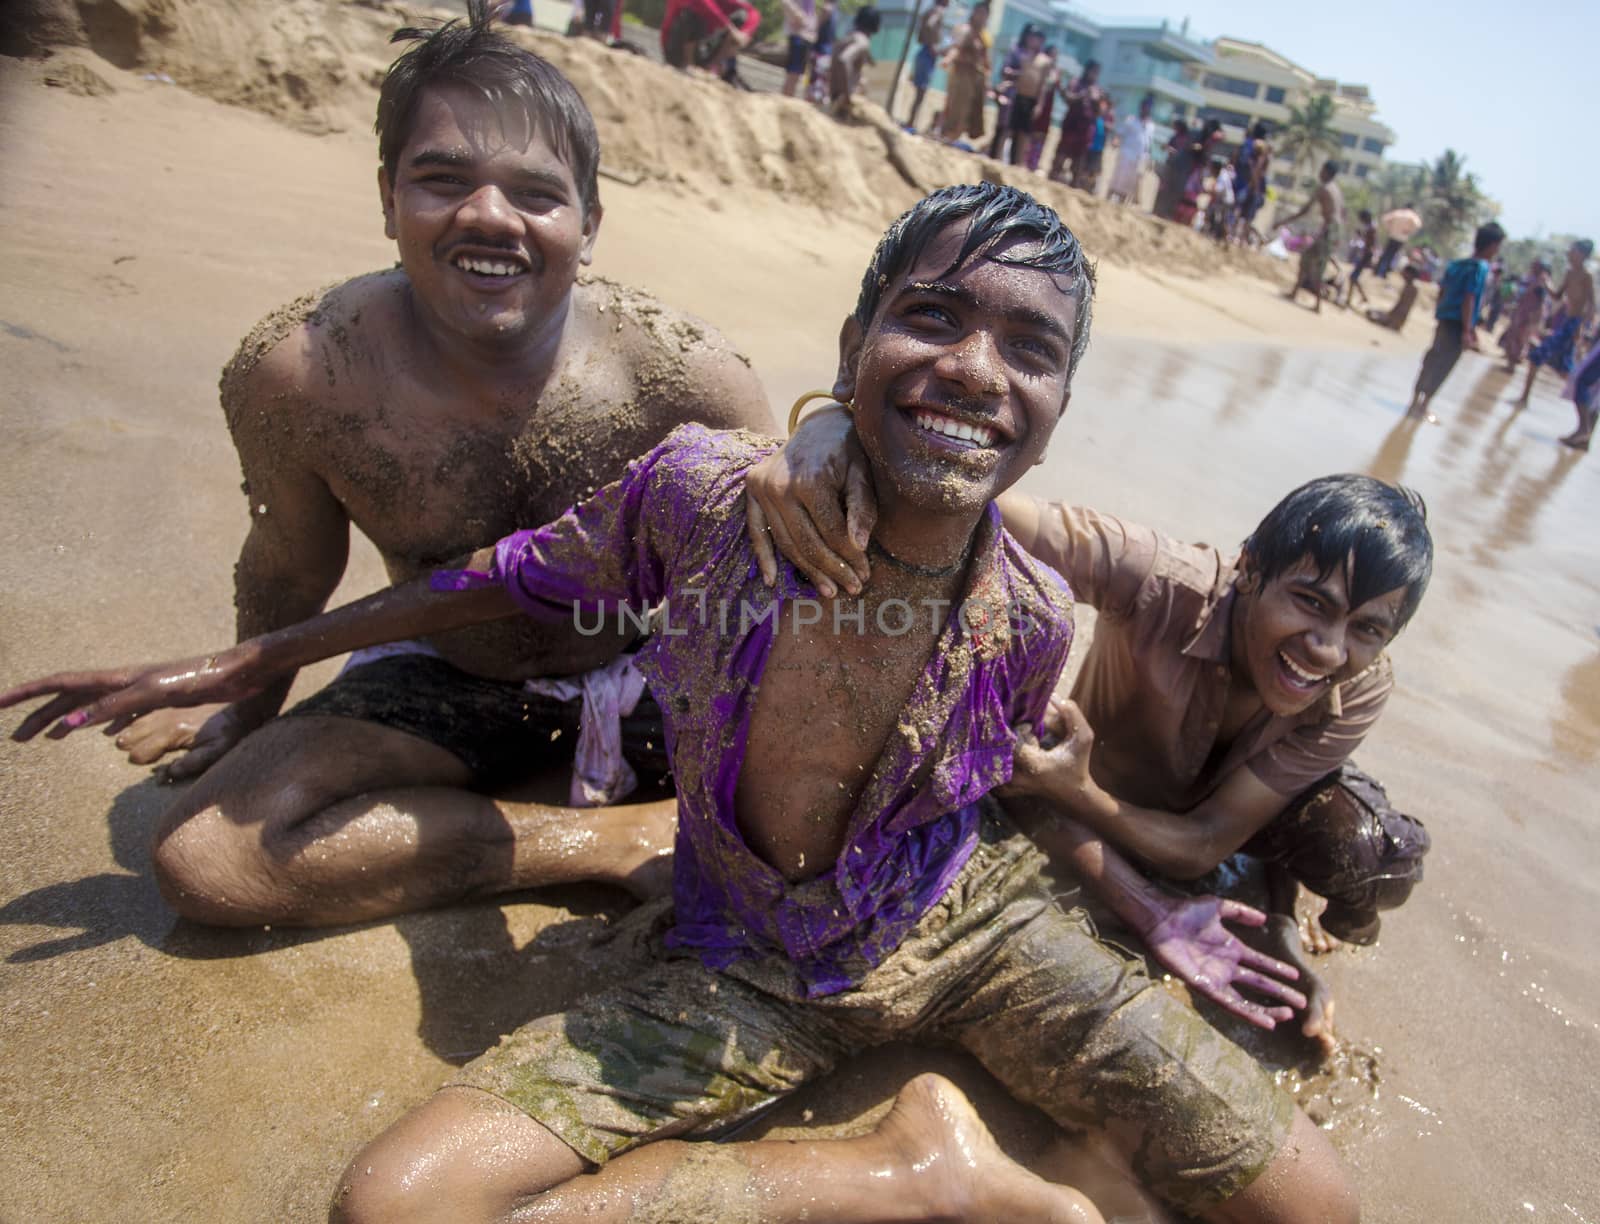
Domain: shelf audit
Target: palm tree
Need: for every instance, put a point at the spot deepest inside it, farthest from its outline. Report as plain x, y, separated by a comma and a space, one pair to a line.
1456, 202
1309, 132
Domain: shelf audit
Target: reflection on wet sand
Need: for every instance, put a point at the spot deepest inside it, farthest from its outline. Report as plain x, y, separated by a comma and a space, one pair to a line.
1575, 727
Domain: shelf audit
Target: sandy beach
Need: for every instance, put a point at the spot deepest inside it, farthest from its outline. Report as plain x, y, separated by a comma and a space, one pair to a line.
155, 1070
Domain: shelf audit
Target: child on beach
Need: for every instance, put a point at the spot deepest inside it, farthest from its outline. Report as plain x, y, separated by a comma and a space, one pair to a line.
1460, 296
1527, 316
1575, 306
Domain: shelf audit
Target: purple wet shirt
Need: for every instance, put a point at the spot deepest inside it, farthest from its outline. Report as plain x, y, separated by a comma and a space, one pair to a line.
672, 529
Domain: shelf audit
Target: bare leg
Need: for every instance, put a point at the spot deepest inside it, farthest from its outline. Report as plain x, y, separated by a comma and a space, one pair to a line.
1579, 438
316, 821
916, 105
466, 1156
1304, 1184
1527, 387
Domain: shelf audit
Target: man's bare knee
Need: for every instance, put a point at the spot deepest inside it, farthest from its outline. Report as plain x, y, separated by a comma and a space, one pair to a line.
462, 1156
1306, 1183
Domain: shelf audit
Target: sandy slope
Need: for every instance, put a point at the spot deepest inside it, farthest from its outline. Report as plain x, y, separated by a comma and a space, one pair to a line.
154, 1071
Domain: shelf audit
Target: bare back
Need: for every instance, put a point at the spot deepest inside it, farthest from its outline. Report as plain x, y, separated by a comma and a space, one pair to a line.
1577, 292
330, 392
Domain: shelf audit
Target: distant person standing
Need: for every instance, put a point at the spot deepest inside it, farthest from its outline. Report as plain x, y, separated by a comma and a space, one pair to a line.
850, 59
1021, 53
1250, 178
1527, 316
930, 45
1314, 259
1135, 136
1174, 168
967, 67
800, 24
1460, 296
1574, 309
1089, 179
1219, 208
1077, 125
1367, 241
1031, 77
822, 54
1044, 109
1398, 225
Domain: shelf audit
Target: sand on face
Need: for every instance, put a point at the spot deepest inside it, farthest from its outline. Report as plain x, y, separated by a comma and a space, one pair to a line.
158, 1071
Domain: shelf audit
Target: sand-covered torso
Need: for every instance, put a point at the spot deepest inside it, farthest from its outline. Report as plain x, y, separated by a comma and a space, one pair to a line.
430, 473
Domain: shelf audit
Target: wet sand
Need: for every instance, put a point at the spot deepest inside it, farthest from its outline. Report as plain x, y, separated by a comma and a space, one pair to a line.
154, 1070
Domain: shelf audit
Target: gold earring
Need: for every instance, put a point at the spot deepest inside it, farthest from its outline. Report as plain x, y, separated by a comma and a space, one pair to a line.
794, 413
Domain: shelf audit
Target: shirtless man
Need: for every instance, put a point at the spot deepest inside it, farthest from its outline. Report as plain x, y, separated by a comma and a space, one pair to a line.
1314, 259
1575, 306
841, 879
434, 407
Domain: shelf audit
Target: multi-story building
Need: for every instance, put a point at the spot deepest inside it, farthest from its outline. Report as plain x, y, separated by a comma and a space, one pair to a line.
1231, 80
1247, 82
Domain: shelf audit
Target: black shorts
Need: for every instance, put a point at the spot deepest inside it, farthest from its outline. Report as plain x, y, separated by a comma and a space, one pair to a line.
1344, 841
1022, 113
498, 729
799, 53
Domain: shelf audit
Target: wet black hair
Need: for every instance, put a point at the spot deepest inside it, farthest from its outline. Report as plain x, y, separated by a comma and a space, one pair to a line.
470, 55
1091, 66
994, 215
1259, 132
1376, 533
1408, 273
1366, 215
1330, 168
1487, 236
1585, 247
868, 20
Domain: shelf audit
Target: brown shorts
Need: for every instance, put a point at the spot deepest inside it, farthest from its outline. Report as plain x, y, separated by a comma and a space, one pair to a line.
498, 729
1067, 1022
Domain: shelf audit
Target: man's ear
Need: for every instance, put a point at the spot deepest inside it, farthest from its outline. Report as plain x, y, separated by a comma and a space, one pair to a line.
386, 195
591, 231
851, 341
1065, 400
1249, 580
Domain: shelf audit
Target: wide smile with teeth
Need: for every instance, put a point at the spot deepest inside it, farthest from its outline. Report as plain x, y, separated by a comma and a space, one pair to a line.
488, 267
1304, 678
979, 437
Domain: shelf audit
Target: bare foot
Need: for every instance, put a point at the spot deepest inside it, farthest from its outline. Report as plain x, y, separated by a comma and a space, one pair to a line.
1286, 939
1576, 442
953, 1163
645, 861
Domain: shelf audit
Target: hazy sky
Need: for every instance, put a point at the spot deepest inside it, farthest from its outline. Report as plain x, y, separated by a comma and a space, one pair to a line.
1510, 84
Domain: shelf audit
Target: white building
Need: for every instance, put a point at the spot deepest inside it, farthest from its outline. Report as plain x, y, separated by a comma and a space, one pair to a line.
1249, 82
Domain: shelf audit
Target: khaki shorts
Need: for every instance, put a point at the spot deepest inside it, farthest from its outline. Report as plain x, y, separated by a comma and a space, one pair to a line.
1065, 1021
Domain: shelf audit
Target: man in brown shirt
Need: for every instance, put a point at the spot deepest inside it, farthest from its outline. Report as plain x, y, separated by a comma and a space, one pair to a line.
1222, 696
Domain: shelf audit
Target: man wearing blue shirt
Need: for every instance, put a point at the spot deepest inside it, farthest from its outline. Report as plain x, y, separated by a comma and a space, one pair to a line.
1460, 296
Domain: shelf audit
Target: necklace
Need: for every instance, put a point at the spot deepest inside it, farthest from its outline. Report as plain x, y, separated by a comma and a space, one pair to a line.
911, 567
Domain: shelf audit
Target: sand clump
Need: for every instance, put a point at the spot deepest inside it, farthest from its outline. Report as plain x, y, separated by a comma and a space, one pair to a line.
316, 65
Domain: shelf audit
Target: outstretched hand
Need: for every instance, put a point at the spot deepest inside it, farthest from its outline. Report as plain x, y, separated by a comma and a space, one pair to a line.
813, 499
117, 696
1187, 935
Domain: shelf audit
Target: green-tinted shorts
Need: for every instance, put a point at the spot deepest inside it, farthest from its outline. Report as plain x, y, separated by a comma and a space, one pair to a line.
1067, 1022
